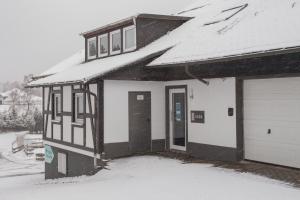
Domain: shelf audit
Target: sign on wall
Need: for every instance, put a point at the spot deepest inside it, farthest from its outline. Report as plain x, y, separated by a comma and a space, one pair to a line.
49, 155
197, 116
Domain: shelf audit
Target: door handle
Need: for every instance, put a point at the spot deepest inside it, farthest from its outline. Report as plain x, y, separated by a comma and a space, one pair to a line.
269, 131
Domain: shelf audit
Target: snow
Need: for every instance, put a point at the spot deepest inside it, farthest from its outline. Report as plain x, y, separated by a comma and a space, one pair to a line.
262, 26
18, 164
269, 25
150, 177
21, 95
83, 72
65, 64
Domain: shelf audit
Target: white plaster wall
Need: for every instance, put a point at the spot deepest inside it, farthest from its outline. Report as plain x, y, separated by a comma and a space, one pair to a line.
67, 98
89, 134
116, 109
67, 129
78, 136
219, 129
56, 131
48, 134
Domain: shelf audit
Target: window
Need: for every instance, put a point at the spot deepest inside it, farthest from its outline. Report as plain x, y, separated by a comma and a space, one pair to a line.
103, 45
92, 49
78, 107
62, 163
56, 106
115, 42
129, 41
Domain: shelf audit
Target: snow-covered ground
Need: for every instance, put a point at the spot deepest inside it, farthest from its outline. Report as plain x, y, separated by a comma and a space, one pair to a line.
149, 177
17, 164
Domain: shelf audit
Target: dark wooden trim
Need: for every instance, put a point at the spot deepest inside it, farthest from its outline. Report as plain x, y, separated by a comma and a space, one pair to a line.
254, 55
92, 120
167, 91
239, 118
84, 118
100, 116
62, 110
48, 108
43, 111
69, 144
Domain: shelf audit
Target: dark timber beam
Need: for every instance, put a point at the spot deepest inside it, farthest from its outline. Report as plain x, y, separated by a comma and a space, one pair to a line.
48, 108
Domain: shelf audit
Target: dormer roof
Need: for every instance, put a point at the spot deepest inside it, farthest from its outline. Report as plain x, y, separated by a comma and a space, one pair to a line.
132, 19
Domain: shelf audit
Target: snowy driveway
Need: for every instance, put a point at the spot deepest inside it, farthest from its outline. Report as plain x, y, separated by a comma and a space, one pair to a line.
150, 177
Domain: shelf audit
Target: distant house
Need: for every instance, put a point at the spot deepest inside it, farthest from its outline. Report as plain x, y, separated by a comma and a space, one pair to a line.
217, 81
19, 97
2, 98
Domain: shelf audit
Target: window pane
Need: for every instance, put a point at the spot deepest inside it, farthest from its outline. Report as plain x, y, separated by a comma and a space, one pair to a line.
62, 163
80, 103
104, 45
130, 38
116, 41
92, 47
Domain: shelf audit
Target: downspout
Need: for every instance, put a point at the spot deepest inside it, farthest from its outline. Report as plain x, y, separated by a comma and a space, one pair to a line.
187, 71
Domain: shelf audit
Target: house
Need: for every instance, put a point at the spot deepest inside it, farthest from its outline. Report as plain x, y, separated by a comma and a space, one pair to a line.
2, 98
218, 81
19, 97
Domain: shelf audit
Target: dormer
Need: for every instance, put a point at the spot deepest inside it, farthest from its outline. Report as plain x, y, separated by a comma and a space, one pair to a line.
128, 35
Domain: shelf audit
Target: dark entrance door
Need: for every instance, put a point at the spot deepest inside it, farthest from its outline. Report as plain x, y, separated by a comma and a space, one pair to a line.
139, 122
179, 119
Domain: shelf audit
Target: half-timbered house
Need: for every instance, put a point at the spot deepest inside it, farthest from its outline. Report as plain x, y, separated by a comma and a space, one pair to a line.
218, 81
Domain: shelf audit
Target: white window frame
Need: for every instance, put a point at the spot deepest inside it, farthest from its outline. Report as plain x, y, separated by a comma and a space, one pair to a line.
124, 38
88, 48
99, 46
111, 42
78, 120
62, 163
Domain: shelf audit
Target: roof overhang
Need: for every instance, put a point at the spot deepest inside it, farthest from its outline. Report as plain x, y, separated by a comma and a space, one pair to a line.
257, 54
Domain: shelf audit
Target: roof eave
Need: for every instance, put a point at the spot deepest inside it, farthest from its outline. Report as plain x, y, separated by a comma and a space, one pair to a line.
257, 54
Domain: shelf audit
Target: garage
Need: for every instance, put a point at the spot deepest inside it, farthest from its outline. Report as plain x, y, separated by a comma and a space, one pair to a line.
272, 120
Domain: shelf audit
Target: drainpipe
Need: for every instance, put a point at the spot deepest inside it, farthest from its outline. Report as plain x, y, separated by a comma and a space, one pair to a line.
187, 71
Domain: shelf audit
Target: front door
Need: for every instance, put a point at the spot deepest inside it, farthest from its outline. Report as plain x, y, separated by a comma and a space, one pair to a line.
177, 102
139, 122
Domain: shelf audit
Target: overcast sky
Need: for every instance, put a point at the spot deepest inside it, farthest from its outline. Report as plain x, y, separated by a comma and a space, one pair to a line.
36, 34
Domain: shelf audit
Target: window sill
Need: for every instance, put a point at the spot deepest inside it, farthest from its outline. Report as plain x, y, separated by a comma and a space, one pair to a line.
78, 123
56, 120
129, 49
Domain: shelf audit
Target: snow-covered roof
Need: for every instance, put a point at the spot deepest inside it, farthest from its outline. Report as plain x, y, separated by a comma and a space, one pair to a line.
229, 28
63, 65
219, 29
84, 72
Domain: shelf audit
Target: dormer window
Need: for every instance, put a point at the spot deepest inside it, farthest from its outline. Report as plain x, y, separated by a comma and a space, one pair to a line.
103, 45
129, 38
115, 42
92, 48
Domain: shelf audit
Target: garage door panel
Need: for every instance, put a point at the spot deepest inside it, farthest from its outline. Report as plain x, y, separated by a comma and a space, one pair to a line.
275, 153
258, 129
272, 104
272, 110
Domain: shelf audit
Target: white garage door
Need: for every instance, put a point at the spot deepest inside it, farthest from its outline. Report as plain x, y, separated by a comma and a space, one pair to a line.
272, 120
